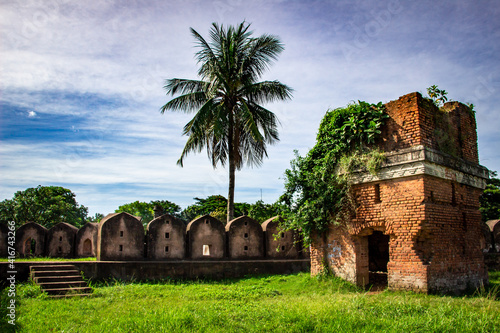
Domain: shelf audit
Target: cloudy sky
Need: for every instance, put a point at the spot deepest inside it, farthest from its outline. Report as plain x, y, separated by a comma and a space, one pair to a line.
82, 83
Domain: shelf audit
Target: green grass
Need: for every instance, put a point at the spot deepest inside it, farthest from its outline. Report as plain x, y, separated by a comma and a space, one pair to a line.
48, 259
291, 303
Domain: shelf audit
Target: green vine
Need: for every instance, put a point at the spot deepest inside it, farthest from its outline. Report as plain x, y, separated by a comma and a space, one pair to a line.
317, 185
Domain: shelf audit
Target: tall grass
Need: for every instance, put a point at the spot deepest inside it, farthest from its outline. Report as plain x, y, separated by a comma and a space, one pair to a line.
293, 303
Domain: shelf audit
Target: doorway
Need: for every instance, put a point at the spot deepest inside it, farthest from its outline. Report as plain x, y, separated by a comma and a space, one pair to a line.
87, 247
30, 247
378, 258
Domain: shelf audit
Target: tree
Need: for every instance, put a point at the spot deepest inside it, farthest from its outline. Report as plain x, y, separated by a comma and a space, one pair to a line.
261, 211
490, 199
168, 207
45, 205
96, 218
214, 205
204, 207
316, 186
230, 121
146, 210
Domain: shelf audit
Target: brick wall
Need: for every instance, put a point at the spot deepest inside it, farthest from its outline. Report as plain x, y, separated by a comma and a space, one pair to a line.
426, 202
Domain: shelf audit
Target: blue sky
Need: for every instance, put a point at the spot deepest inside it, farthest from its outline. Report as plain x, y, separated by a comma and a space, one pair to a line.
81, 85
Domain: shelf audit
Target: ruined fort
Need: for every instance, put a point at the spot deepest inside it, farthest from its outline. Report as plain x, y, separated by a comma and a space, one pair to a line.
417, 220
121, 237
416, 223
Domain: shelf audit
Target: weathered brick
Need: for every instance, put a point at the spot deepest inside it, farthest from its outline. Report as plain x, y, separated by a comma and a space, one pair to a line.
432, 221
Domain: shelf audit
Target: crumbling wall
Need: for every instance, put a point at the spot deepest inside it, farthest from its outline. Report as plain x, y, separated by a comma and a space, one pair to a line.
166, 238
280, 243
120, 237
494, 226
30, 240
245, 238
61, 241
425, 198
206, 238
86, 240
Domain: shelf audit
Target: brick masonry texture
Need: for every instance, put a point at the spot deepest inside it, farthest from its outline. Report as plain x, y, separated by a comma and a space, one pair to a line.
431, 218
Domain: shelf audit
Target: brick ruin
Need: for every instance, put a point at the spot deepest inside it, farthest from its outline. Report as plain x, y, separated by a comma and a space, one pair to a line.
417, 221
121, 237
492, 236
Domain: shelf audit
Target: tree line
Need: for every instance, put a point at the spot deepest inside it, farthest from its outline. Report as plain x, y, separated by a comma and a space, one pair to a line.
49, 205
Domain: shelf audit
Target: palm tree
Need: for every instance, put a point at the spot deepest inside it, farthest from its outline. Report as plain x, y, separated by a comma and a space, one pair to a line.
229, 120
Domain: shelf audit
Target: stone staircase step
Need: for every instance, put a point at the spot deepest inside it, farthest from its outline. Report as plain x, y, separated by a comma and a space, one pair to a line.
60, 280
44, 279
52, 267
57, 273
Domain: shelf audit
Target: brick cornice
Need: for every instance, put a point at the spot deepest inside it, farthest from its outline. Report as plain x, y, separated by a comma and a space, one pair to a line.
420, 160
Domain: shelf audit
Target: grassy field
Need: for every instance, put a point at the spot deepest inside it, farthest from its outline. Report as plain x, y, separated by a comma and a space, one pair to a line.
292, 303
48, 259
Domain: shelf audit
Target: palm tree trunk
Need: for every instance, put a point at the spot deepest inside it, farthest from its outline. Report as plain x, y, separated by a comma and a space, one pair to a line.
232, 167
230, 196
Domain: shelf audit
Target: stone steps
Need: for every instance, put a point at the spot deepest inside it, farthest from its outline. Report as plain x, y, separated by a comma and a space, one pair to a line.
59, 281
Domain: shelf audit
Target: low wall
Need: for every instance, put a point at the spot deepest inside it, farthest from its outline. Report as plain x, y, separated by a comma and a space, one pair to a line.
157, 270
492, 261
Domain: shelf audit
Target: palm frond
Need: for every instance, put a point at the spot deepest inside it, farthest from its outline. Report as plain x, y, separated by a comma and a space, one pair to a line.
267, 91
266, 121
230, 122
185, 103
184, 86
263, 52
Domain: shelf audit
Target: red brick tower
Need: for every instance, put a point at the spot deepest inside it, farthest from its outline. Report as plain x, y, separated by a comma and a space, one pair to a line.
418, 219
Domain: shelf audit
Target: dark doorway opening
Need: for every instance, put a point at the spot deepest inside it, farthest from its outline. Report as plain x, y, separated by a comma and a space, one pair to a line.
378, 258
30, 247
87, 247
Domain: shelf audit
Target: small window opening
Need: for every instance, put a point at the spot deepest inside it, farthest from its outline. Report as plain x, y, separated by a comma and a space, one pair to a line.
168, 221
282, 248
282, 235
246, 223
121, 233
60, 238
246, 235
206, 250
167, 235
432, 196
377, 193
59, 249
245, 248
166, 249
121, 248
206, 221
